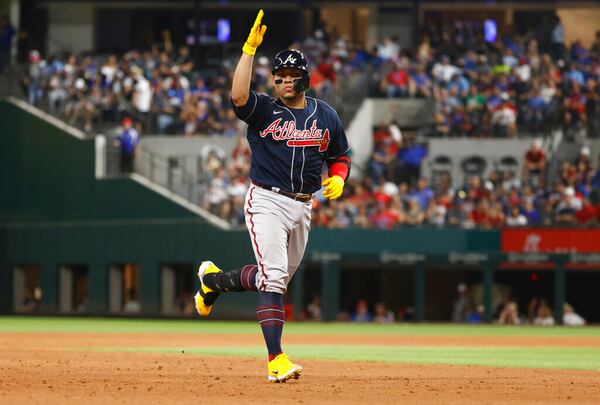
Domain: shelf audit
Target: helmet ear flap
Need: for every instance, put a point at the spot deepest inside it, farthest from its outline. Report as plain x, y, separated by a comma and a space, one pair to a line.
303, 83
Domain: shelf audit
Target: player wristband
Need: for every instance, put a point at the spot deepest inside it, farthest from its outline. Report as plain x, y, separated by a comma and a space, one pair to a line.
341, 167
250, 50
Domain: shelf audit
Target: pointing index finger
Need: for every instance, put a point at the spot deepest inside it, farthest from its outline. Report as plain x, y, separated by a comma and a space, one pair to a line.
259, 18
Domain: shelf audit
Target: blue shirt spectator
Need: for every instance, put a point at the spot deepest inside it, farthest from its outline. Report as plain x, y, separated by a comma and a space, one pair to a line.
576, 75
129, 138
412, 155
423, 194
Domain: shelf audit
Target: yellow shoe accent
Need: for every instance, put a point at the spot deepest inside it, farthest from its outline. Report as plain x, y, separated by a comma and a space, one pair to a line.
206, 297
282, 369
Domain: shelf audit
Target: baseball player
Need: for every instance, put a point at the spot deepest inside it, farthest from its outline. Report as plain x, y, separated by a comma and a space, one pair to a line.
291, 136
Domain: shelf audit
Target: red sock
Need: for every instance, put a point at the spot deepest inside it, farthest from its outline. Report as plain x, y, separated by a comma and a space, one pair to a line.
272, 356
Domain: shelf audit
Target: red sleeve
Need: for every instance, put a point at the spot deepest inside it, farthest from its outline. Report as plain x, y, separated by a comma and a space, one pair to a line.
340, 167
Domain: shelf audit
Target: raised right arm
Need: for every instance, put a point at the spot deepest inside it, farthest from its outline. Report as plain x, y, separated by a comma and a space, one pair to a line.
240, 89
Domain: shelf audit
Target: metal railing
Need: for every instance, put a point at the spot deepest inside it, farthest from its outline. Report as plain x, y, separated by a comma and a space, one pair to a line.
172, 172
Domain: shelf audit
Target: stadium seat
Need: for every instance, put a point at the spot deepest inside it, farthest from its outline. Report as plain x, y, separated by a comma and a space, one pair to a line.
473, 166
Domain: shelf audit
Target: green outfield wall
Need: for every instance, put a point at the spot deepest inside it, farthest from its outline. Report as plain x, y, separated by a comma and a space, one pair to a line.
47, 174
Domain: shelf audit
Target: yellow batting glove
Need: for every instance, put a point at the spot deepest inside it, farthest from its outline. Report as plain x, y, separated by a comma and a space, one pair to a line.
255, 37
334, 187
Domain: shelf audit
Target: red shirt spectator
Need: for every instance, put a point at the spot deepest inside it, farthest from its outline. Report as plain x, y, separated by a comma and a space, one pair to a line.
328, 71
398, 78
385, 218
381, 134
316, 79
587, 213
535, 158
479, 215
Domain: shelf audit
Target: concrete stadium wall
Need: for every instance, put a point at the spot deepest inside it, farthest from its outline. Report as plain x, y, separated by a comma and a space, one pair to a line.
492, 150
409, 112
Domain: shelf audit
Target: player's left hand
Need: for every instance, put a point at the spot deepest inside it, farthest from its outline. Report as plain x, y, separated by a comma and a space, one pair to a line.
334, 187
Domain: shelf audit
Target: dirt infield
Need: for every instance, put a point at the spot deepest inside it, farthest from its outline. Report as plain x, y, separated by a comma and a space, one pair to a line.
57, 368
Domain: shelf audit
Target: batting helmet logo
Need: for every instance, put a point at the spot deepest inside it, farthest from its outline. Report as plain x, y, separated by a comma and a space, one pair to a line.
292, 58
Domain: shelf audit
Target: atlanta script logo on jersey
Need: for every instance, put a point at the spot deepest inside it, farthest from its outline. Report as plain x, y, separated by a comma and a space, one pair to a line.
287, 131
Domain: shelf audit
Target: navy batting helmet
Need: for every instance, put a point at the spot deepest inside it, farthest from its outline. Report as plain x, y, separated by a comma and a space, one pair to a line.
292, 58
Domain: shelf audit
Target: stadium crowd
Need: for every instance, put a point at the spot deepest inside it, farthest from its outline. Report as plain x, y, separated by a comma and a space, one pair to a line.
396, 195
502, 88
158, 87
514, 85
480, 88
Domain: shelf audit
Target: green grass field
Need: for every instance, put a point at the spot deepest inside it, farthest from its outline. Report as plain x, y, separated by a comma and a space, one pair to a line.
564, 357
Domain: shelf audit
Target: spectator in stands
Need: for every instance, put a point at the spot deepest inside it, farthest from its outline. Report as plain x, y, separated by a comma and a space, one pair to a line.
420, 83
480, 215
496, 217
477, 315
217, 198
383, 314
534, 164
7, 32
532, 309
516, 218
595, 184
436, 212
361, 313
570, 318
544, 315
460, 304
381, 161
588, 213
388, 214
531, 214
444, 70
567, 207
414, 214
583, 163
504, 119
410, 156
388, 49
80, 106
510, 314
592, 107
534, 109
142, 96
57, 95
127, 141
396, 82
475, 106
313, 310
423, 194
33, 82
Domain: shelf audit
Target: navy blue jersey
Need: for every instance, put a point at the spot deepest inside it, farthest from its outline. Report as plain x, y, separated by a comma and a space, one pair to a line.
290, 145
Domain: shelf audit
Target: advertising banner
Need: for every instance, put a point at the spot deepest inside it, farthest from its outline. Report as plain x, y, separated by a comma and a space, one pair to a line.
550, 240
